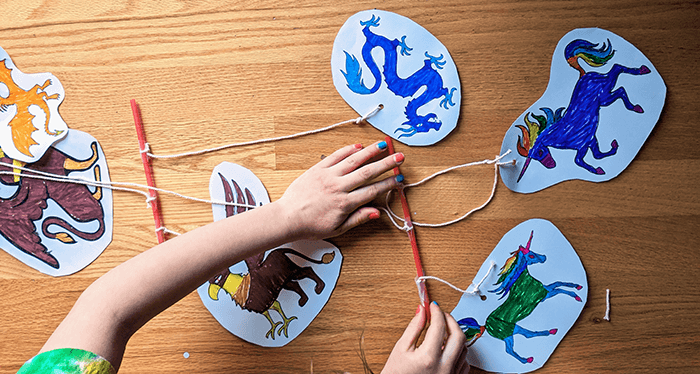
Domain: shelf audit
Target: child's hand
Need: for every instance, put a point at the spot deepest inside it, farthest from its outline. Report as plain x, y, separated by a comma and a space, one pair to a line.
325, 201
443, 350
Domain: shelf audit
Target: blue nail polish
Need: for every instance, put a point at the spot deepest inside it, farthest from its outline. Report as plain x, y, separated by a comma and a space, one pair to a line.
381, 145
435, 302
399, 178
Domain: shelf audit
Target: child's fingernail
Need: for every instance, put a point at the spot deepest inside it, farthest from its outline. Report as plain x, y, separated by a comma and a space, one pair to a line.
399, 178
381, 145
358, 145
435, 302
373, 215
399, 157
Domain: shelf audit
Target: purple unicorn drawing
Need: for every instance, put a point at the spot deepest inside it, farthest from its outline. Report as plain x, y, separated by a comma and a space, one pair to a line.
576, 128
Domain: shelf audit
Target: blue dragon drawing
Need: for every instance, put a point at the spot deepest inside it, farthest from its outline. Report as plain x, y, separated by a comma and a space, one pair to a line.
427, 76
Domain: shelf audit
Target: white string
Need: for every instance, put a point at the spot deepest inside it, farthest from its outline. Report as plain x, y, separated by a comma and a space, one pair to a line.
475, 291
357, 120
607, 305
118, 186
496, 162
165, 230
146, 148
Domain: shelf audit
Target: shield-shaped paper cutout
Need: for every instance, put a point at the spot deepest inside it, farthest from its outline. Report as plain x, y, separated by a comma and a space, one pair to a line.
320, 261
606, 116
75, 225
381, 57
29, 118
510, 315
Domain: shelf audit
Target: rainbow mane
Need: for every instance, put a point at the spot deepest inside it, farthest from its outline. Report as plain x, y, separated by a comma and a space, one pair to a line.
534, 129
508, 274
588, 52
511, 270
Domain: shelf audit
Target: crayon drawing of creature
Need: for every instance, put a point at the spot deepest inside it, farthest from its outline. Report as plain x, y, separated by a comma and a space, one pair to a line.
576, 129
21, 125
524, 293
258, 290
19, 212
427, 77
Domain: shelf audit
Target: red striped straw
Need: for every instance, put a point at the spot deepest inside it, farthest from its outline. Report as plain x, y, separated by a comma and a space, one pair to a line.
412, 236
148, 170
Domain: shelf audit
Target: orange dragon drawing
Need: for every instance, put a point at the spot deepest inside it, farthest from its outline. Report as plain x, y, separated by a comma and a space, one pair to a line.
21, 124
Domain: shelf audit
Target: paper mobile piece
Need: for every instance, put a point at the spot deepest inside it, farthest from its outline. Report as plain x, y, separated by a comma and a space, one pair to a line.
383, 58
602, 102
29, 118
57, 228
532, 302
270, 298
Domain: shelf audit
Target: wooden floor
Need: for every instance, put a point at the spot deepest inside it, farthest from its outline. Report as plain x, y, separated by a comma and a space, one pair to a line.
212, 72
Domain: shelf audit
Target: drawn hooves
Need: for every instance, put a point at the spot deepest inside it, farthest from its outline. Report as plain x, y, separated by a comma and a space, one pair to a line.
644, 70
638, 109
530, 359
553, 331
599, 171
577, 298
579, 287
614, 144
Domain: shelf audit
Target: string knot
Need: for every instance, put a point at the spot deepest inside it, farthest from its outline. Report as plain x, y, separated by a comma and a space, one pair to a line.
146, 148
370, 114
499, 158
148, 201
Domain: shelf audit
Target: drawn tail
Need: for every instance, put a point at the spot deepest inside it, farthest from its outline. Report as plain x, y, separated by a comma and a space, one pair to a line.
327, 258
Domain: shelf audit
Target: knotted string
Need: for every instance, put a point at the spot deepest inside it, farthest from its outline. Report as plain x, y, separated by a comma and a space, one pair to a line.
475, 291
496, 162
357, 120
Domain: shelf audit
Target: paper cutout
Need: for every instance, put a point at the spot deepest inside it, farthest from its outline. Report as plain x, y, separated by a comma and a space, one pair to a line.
419, 89
531, 303
57, 228
29, 118
268, 299
592, 119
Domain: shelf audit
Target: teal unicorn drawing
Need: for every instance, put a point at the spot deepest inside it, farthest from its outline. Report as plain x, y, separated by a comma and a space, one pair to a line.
523, 294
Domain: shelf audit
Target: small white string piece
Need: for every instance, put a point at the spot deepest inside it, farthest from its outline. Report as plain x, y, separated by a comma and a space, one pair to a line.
607, 305
357, 120
475, 291
496, 162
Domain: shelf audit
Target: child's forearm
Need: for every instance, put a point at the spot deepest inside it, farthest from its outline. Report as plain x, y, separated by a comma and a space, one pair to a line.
128, 296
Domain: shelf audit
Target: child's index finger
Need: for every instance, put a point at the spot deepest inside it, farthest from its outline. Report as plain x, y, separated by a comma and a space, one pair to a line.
355, 160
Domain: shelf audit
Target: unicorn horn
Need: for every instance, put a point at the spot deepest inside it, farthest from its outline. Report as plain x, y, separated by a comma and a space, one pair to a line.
527, 162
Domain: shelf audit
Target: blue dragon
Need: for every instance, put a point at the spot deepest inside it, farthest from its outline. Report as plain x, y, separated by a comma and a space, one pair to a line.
404, 87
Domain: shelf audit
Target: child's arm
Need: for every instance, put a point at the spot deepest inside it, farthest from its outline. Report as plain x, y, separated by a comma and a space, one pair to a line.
325, 201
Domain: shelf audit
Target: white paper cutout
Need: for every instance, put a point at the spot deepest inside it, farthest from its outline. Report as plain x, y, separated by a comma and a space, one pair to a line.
29, 118
58, 228
231, 182
620, 130
418, 83
552, 259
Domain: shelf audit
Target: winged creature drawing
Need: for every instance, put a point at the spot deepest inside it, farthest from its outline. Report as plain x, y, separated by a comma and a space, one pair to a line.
257, 290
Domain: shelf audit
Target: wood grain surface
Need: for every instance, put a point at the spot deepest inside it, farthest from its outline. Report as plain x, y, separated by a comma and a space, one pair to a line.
213, 72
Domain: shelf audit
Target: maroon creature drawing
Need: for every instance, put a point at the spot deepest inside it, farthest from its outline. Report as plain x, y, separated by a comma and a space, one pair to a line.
258, 290
19, 212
